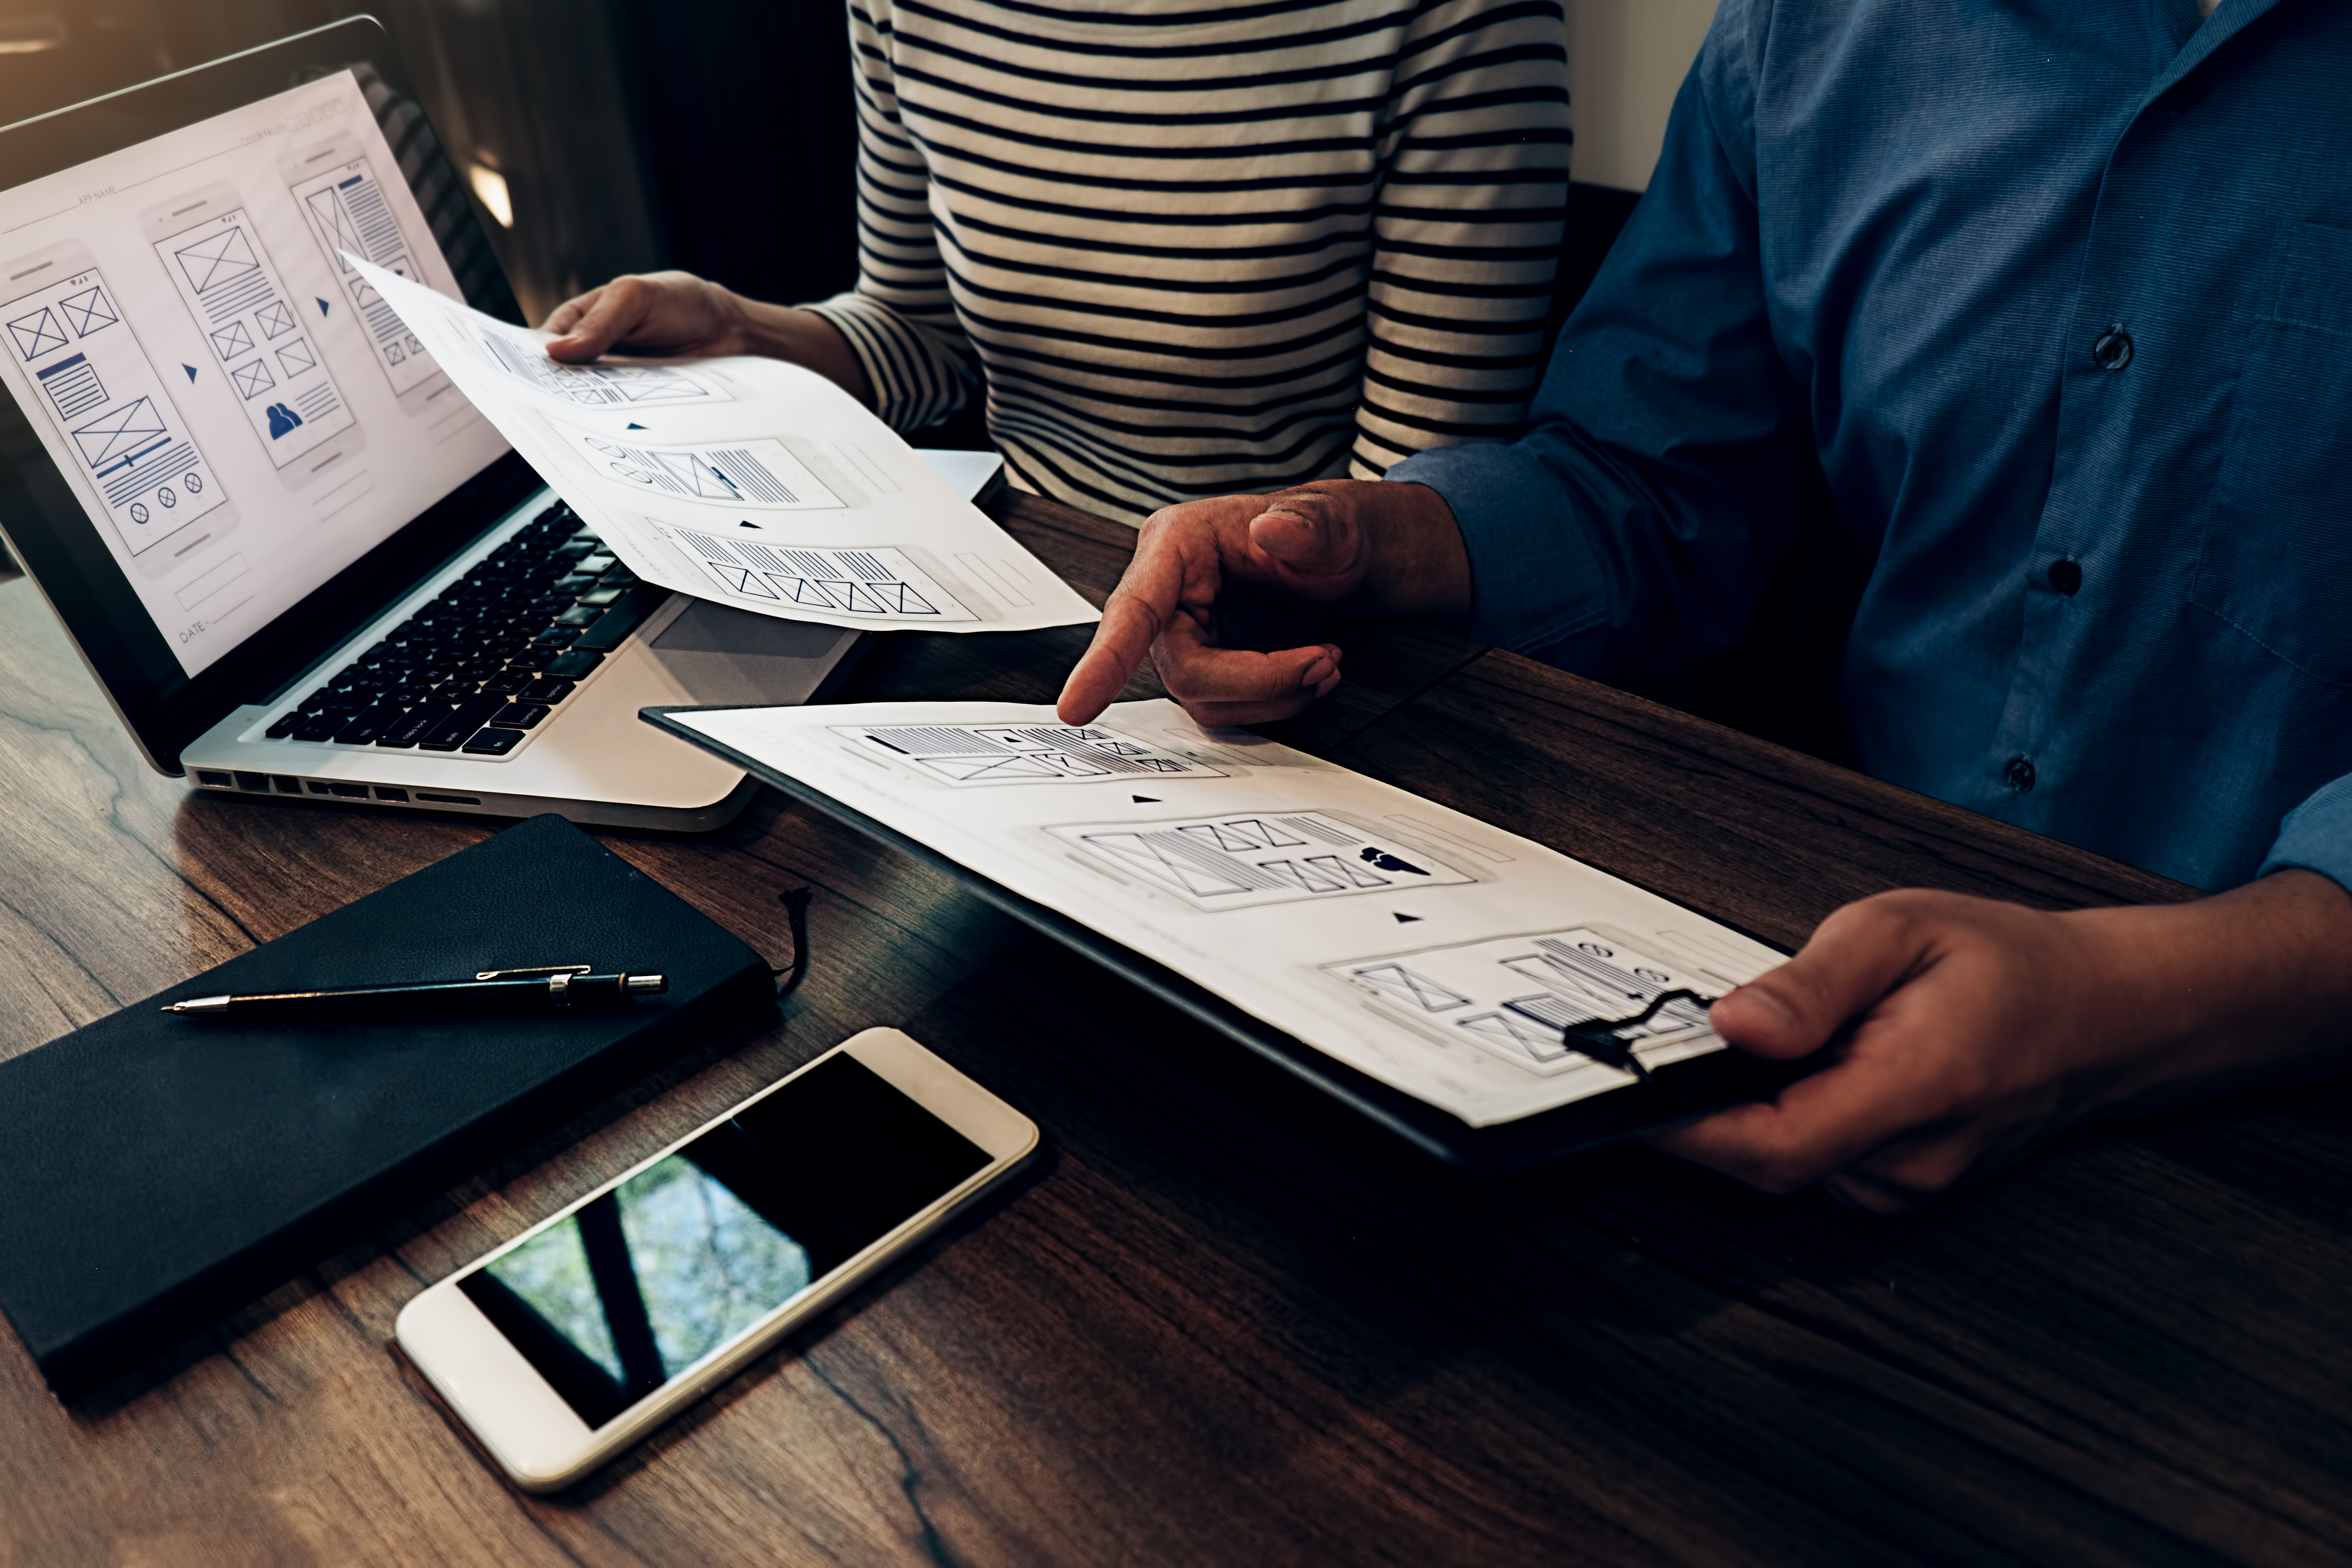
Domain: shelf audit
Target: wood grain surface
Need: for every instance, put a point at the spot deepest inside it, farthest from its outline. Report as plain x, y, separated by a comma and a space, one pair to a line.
1223, 1321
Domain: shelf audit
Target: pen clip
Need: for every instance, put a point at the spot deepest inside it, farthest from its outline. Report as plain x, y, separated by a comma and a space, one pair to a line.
532, 973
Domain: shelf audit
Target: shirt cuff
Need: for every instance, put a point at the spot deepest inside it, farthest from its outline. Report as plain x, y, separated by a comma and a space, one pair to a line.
1536, 585
914, 382
2318, 836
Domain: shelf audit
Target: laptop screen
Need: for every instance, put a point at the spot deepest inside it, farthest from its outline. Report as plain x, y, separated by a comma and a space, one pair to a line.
239, 416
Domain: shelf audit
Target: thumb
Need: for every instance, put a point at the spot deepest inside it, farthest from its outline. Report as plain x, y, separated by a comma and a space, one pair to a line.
612, 313
1308, 533
1854, 958
566, 316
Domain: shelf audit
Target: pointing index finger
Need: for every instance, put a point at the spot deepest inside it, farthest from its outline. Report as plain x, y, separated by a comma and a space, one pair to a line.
1122, 638
1134, 616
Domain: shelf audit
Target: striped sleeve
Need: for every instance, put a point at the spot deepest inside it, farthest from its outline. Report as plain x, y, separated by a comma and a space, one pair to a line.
898, 318
1471, 208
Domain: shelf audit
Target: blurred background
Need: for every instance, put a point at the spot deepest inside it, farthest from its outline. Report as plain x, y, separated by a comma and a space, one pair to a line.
607, 136
599, 136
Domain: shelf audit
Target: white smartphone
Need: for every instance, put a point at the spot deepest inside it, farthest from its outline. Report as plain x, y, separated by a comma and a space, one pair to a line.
591, 1329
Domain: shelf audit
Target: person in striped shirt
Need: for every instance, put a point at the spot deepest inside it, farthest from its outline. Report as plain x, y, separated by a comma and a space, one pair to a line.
1186, 247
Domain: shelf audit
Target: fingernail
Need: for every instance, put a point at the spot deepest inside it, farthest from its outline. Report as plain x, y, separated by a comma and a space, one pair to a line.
1322, 669
1765, 1010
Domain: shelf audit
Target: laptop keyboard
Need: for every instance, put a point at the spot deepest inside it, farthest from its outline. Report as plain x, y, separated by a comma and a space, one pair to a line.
478, 668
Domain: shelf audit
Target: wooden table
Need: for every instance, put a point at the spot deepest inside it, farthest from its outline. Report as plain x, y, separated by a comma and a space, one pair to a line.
1225, 1322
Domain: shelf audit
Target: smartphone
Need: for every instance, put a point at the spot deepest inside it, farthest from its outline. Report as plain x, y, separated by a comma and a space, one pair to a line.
582, 1336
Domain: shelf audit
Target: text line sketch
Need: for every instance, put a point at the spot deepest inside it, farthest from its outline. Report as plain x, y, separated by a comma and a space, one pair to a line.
110, 407
965, 755
872, 582
597, 386
758, 473
225, 276
1244, 861
349, 216
72, 386
1515, 995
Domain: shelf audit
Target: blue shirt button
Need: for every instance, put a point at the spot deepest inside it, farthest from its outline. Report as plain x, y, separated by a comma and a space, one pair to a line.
2020, 775
2066, 576
2114, 349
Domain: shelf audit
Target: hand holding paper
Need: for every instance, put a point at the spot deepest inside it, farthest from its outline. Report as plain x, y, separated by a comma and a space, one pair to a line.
744, 480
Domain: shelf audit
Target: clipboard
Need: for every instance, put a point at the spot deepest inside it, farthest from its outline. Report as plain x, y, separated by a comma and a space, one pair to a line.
1677, 1091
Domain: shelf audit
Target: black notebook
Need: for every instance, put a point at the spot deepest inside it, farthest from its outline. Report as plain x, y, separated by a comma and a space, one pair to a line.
159, 1172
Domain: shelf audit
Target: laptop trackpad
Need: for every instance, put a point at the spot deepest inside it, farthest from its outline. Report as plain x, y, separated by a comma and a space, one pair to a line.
724, 655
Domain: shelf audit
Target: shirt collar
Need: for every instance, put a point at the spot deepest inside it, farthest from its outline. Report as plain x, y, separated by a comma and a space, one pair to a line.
2219, 28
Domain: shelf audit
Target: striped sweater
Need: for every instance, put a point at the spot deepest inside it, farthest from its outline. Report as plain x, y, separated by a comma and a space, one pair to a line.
1192, 248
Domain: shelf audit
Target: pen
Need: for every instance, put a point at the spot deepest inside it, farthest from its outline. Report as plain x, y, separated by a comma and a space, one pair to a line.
491, 990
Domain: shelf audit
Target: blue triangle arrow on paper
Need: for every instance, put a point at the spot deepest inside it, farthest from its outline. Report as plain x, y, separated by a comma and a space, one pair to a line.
634, 426
322, 305
190, 369
747, 524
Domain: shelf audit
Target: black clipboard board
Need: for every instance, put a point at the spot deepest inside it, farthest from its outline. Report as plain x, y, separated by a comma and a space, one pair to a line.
1677, 1092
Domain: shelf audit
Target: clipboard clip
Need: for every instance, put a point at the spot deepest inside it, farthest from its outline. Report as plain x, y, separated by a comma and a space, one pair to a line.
539, 973
1597, 1038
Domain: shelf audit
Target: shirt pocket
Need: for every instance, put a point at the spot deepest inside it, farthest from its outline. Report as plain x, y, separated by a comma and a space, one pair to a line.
2277, 556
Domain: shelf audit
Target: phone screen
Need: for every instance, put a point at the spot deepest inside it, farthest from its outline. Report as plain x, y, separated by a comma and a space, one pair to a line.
646, 1279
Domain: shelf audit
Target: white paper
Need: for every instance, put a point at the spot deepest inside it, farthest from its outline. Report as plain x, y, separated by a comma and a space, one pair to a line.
744, 480
1430, 950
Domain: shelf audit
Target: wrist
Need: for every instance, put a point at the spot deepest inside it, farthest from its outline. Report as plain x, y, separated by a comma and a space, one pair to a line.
754, 326
802, 337
2245, 988
1417, 566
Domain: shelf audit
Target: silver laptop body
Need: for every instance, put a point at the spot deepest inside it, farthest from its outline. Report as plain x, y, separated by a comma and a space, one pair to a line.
476, 693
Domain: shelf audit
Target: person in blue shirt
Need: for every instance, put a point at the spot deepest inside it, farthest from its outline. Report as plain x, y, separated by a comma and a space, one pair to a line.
2051, 300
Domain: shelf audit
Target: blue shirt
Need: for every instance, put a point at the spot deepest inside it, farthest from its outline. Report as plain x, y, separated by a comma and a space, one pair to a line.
2016, 287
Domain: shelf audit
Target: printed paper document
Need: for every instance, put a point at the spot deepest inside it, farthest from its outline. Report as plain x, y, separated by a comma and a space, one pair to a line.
744, 480
1429, 950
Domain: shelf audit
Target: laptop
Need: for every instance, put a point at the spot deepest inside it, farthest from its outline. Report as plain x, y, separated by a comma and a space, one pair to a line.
297, 560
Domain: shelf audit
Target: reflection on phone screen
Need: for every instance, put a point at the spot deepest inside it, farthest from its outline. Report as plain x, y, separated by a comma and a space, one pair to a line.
643, 1281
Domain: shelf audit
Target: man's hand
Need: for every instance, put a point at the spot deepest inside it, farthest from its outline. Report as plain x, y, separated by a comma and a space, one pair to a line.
1981, 1028
675, 315
669, 314
1223, 594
